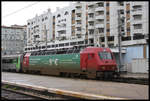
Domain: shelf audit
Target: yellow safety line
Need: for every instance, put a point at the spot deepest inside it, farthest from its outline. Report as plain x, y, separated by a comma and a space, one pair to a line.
65, 92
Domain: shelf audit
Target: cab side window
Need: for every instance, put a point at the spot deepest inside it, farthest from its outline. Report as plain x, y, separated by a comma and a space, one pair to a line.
90, 56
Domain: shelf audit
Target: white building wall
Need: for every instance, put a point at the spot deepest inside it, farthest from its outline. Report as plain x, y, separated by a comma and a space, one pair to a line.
59, 21
36, 27
114, 21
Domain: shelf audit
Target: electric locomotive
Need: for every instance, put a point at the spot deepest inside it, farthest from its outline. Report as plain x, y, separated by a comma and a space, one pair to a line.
91, 62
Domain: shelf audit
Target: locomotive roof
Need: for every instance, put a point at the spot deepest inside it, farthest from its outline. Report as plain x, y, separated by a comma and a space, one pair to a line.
95, 49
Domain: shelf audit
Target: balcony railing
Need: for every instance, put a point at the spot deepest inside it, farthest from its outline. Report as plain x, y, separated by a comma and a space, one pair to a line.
98, 25
99, 17
99, 9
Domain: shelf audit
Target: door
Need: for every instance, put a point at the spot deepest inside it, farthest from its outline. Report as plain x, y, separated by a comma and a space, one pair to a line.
83, 63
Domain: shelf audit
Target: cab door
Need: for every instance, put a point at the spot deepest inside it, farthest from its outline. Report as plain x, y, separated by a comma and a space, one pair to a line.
26, 60
91, 62
83, 61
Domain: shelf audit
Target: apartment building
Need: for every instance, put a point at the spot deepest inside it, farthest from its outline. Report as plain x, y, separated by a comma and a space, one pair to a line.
39, 29
67, 28
13, 39
99, 24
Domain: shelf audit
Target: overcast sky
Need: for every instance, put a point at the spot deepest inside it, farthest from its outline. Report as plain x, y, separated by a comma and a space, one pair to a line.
19, 12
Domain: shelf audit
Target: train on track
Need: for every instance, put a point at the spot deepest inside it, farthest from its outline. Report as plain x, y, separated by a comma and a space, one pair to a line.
91, 62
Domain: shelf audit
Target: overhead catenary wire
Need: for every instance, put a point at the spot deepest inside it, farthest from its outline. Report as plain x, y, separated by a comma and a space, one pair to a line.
20, 9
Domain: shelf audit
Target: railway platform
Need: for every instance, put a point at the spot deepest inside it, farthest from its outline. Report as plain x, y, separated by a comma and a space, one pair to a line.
82, 88
135, 75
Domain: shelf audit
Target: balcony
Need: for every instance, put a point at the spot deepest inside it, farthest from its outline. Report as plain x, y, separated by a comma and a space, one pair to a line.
78, 18
78, 32
137, 3
91, 19
78, 10
78, 25
135, 31
99, 9
91, 27
100, 34
78, 35
78, 5
136, 12
62, 34
91, 4
91, 10
138, 21
61, 29
99, 17
98, 25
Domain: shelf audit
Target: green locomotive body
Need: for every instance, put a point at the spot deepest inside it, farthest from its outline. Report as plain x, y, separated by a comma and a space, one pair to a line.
54, 64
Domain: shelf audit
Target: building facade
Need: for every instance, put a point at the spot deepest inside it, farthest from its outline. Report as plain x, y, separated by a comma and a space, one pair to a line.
13, 39
39, 29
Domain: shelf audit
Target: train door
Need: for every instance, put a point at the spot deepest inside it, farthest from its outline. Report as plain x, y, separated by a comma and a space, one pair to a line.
91, 62
18, 64
83, 63
26, 60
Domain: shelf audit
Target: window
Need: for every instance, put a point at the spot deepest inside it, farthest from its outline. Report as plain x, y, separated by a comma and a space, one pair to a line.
105, 55
102, 39
91, 31
66, 44
78, 15
107, 13
58, 15
128, 11
79, 22
66, 13
100, 4
111, 38
137, 26
137, 17
79, 29
120, 3
138, 36
107, 4
126, 38
137, 7
91, 15
108, 30
91, 23
46, 18
128, 29
101, 30
121, 11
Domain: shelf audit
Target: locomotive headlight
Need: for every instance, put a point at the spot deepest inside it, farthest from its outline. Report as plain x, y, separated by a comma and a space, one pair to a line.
103, 67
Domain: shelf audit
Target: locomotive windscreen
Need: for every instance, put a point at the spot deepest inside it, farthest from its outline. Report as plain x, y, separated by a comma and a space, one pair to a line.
105, 55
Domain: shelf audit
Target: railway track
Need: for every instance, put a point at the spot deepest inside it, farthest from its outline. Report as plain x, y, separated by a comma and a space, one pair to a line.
8, 94
16, 92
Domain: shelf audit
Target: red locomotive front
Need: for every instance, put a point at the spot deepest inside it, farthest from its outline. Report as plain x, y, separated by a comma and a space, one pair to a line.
98, 61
